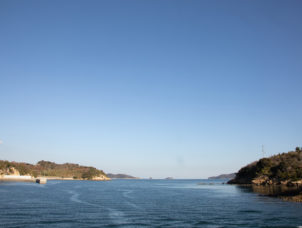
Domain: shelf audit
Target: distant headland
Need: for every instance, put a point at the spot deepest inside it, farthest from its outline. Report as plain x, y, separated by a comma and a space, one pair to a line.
120, 176
223, 176
279, 175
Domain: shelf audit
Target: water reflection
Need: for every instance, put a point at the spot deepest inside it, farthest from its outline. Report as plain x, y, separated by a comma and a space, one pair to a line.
272, 190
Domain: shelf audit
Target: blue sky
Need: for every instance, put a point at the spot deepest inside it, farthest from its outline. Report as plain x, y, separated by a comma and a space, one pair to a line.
187, 89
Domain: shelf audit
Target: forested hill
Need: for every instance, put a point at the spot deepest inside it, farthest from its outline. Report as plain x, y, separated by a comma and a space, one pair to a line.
47, 169
277, 169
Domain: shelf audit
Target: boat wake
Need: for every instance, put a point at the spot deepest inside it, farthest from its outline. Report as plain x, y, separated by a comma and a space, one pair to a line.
117, 217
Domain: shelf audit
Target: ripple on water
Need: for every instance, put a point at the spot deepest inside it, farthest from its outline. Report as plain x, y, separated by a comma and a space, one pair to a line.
75, 197
250, 211
127, 193
203, 222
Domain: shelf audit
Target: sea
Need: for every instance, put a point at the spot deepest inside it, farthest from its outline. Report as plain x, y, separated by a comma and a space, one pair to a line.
142, 203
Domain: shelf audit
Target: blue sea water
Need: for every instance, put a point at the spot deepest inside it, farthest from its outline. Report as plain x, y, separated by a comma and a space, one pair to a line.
141, 203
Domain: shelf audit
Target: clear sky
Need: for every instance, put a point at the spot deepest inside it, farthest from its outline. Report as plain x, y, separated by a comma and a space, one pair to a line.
186, 89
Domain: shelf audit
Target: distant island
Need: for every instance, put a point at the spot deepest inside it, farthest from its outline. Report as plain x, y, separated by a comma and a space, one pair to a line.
223, 176
120, 176
49, 170
279, 175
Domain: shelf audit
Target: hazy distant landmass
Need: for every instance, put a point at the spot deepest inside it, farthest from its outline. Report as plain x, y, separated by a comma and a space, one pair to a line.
120, 176
223, 176
283, 171
52, 170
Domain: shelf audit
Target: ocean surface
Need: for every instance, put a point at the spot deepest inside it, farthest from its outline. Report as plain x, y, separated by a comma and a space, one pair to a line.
141, 203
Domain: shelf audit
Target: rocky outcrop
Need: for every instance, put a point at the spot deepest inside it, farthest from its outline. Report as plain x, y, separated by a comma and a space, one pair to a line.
9, 171
262, 180
101, 178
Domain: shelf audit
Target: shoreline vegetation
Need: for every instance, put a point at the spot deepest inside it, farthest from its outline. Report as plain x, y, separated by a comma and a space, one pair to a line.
43, 170
278, 176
